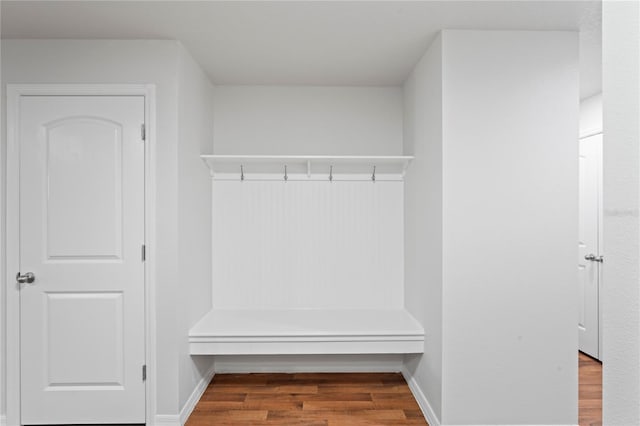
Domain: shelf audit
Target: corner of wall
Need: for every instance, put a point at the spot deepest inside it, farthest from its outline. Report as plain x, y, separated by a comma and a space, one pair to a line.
427, 411
423, 225
195, 134
195, 396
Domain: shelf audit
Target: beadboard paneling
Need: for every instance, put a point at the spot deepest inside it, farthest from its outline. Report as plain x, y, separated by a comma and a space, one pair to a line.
316, 245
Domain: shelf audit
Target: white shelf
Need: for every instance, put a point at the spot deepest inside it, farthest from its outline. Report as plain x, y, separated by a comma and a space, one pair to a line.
306, 167
306, 331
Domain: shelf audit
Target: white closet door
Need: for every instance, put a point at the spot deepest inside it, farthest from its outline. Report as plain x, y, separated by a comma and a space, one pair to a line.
81, 234
589, 249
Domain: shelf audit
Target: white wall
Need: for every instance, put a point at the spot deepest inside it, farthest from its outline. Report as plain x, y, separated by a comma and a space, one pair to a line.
509, 227
621, 292
306, 120
159, 63
3, 247
195, 137
507, 154
423, 218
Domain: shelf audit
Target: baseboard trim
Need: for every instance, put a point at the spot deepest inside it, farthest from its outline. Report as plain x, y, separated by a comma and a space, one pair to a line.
196, 395
426, 408
309, 364
3, 420
420, 397
167, 420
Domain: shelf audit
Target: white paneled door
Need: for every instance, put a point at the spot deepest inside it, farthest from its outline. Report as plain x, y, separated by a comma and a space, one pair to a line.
82, 341
590, 258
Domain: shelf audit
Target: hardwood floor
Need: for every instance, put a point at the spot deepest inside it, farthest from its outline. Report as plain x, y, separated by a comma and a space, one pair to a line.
590, 391
314, 399
310, 399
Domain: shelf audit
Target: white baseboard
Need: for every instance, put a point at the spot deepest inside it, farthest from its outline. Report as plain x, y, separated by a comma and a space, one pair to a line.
187, 409
426, 408
167, 420
3, 420
196, 395
309, 364
420, 397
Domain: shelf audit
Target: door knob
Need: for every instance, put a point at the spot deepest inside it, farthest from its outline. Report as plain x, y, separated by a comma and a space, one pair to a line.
28, 278
592, 257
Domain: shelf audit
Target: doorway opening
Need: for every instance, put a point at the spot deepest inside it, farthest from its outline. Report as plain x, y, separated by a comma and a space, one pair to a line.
590, 262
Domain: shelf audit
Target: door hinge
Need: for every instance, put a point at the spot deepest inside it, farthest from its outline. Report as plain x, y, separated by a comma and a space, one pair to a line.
592, 257
143, 132
143, 252
144, 373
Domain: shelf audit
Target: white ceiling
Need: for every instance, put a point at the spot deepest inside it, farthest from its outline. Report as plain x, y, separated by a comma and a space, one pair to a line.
305, 42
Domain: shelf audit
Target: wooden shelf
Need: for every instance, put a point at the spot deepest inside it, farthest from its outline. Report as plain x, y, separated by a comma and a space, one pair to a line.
306, 167
306, 331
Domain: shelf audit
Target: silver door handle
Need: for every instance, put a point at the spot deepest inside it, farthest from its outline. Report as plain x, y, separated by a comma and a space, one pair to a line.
28, 278
592, 257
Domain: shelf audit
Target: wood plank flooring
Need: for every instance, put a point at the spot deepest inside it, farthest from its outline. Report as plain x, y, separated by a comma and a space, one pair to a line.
590, 391
310, 399
314, 399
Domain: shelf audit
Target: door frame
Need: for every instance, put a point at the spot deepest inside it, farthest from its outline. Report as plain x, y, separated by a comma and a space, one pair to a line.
12, 200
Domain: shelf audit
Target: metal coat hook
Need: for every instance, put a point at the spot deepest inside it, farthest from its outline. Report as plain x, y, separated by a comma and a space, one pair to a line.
241, 172
373, 175
286, 177
330, 173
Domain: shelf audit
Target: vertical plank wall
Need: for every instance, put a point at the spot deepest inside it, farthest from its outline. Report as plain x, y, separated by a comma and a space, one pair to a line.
309, 244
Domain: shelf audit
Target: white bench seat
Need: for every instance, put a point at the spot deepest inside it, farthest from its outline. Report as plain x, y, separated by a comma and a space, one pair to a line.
306, 331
